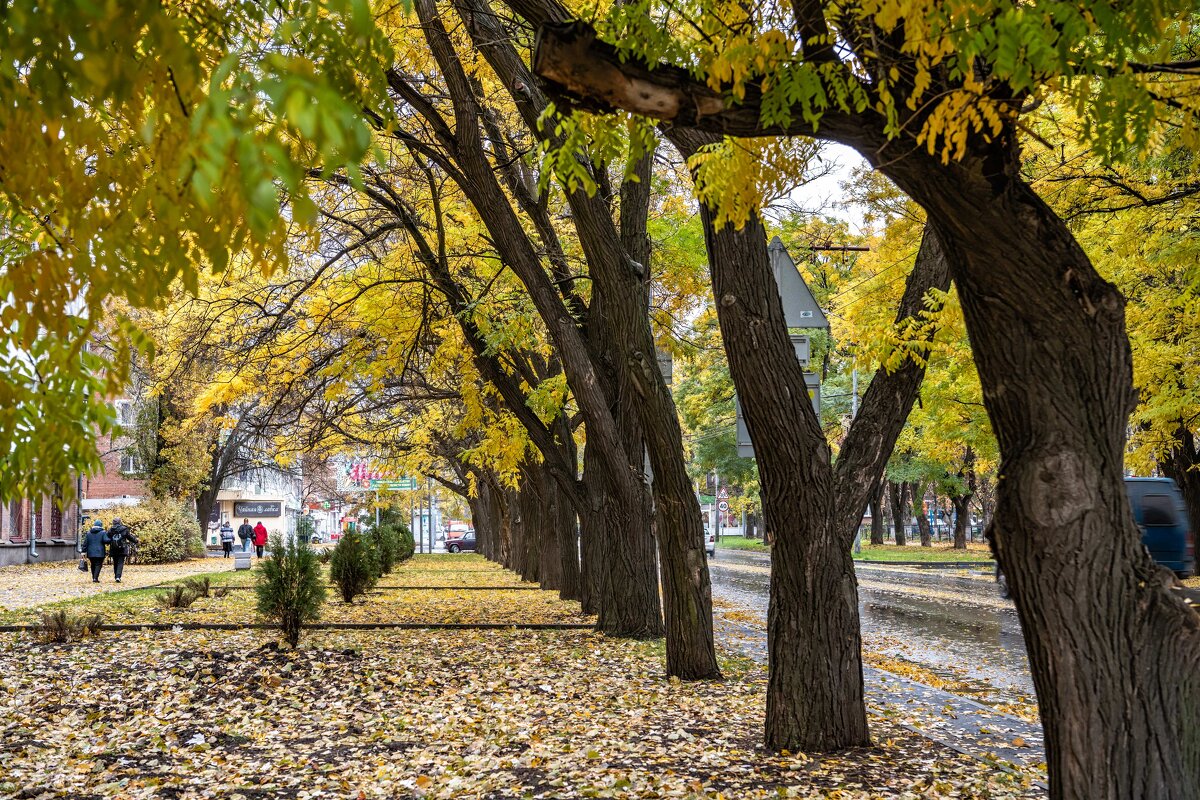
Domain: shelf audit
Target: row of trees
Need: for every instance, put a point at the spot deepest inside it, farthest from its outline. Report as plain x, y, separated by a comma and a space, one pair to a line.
486, 295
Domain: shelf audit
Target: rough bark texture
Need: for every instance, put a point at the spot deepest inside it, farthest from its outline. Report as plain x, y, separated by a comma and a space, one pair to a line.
633, 610
877, 513
962, 519
815, 688
618, 258
897, 492
1115, 655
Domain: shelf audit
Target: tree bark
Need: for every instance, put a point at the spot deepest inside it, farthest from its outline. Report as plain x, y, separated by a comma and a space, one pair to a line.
962, 518
1114, 653
815, 685
633, 610
899, 502
877, 513
618, 258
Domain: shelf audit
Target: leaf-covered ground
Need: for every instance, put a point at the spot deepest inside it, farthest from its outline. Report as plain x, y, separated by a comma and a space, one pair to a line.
416, 714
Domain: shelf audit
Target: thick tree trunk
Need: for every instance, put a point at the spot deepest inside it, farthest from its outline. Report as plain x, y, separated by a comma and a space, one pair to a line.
1114, 653
813, 703
593, 565
630, 606
618, 259
562, 513
917, 501
515, 553
877, 514
815, 685
962, 519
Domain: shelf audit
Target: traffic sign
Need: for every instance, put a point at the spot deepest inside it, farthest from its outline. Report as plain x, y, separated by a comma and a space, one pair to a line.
722, 506
400, 485
723, 494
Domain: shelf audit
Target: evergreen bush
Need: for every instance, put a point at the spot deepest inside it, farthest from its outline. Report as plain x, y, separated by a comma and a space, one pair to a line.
387, 542
354, 566
405, 544
290, 587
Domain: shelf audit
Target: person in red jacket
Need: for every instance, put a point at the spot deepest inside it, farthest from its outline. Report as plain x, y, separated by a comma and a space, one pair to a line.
260, 538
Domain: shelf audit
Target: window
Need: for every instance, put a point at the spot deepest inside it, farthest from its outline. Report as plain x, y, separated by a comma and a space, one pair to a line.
131, 462
1157, 509
125, 413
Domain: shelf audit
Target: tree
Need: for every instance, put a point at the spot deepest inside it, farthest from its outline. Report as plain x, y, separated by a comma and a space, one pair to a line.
124, 172
290, 587
936, 110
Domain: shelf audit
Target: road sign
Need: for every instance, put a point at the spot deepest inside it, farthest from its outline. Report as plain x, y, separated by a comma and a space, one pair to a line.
399, 485
722, 506
723, 494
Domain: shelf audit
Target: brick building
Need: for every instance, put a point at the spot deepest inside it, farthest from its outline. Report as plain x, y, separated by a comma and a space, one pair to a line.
116, 484
33, 530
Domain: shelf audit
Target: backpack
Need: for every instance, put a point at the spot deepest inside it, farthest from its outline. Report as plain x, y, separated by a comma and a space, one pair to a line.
117, 539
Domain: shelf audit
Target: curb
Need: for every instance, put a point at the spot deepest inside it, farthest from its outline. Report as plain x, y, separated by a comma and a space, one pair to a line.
411, 588
928, 564
331, 626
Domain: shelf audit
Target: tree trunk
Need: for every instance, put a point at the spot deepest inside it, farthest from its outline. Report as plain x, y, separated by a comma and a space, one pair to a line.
562, 512
962, 518
630, 606
877, 514
917, 502
1182, 465
1114, 653
592, 553
899, 501
813, 703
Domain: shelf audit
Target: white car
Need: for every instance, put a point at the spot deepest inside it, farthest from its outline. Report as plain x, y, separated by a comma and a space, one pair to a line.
710, 542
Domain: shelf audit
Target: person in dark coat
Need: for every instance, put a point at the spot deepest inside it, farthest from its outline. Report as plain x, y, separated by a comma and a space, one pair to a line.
120, 539
246, 534
93, 547
226, 531
260, 538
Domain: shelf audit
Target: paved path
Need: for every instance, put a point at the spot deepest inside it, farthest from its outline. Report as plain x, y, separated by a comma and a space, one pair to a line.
32, 585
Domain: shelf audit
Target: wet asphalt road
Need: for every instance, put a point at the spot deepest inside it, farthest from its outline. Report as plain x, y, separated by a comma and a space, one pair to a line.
951, 622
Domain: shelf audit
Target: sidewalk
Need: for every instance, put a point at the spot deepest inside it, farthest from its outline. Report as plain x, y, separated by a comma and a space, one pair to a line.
33, 585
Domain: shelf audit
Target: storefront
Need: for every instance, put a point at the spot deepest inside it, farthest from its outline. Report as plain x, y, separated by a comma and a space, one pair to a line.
276, 515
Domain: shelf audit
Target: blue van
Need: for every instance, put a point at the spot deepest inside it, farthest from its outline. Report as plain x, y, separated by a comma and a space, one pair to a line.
1160, 512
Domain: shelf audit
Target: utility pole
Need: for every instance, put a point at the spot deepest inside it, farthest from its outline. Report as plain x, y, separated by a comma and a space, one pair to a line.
854, 391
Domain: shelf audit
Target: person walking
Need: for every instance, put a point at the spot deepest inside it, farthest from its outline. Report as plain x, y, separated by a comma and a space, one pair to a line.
120, 540
93, 547
246, 534
226, 532
260, 538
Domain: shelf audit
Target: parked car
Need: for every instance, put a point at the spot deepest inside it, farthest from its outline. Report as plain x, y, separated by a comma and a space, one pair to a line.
466, 544
1160, 512
710, 541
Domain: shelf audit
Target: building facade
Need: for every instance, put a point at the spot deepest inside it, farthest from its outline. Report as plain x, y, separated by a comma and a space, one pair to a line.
266, 494
38, 529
